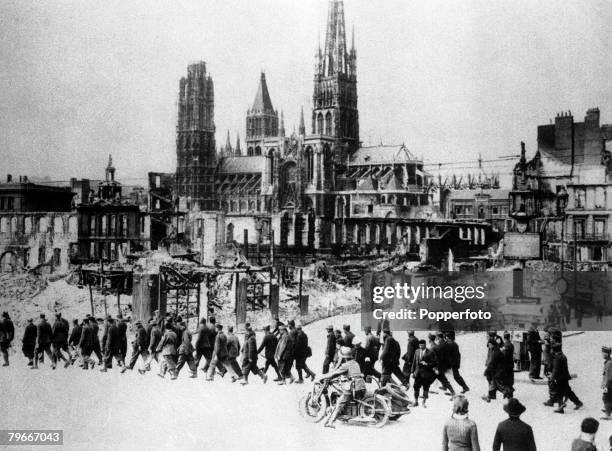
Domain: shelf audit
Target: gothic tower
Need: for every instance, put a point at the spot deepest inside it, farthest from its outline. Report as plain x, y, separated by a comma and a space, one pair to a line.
195, 139
262, 119
334, 111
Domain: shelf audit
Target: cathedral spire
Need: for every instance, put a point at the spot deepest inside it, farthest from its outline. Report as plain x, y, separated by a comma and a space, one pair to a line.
335, 57
228, 144
281, 130
302, 129
237, 149
262, 100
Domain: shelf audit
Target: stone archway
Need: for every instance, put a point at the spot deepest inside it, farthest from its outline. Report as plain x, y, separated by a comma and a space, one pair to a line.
8, 262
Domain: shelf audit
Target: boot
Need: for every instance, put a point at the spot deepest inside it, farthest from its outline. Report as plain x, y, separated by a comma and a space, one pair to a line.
559, 409
264, 377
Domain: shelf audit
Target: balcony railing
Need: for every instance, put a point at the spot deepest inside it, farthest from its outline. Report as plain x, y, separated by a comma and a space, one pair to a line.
603, 236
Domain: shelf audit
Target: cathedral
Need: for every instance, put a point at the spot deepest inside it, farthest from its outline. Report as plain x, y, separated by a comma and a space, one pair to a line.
316, 188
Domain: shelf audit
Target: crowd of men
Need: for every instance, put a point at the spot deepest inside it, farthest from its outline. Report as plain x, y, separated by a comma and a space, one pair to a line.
167, 340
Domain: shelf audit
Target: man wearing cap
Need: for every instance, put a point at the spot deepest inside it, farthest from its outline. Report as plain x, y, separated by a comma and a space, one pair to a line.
43, 345
330, 349
292, 334
7, 333
268, 344
606, 383
60, 339
423, 370
302, 352
185, 354
507, 351
139, 346
514, 434
219, 359
283, 357
168, 346
389, 358
534, 346
559, 382
204, 344
86, 343
454, 357
355, 387
112, 346
28, 342
97, 348
371, 349
155, 337
443, 359
249, 360
122, 328
73, 340
233, 351
408, 357
495, 373
586, 441
348, 336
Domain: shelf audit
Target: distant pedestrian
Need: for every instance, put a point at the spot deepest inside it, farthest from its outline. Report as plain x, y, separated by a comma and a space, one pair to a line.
408, 357
168, 348
185, 355
86, 343
302, 352
140, 346
73, 340
534, 346
559, 382
283, 357
205, 342
113, 346
389, 358
7, 333
155, 337
233, 351
514, 434
219, 358
454, 358
372, 349
423, 371
59, 339
28, 341
586, 440
460, 433
43, 342
249, 361
122, 328
268, 345
330, 349
348, 336
507, 351
495, 372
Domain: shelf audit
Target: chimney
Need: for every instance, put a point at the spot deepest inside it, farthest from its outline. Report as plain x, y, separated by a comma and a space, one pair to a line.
9, 178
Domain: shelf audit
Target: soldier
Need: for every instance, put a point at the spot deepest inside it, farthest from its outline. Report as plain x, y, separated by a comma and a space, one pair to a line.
140, 346
60, 340
268, 345
495, 372
185, 353
559, 382
29, 341
454, 356
112, 346
86, 343
204, 343
219, 358
73, 340
408, 357
167, 346
302, 352
423, 371
233, 351
283, 356
606, 383
7, 333
249, 362
154, 339
330, 349
371, 349
43, 345
389, 357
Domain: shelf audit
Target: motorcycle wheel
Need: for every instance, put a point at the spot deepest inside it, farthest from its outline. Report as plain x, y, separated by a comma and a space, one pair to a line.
377, 409
313, 411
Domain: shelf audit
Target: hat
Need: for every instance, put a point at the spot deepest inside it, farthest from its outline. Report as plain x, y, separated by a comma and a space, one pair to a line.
266, 328
5, 314
299, 326
29, 320
42, 316
387, 330
507, 335
330, 327
606, 349
431, 337
514, 407
422, 342
346, 352
556, 346
589, 425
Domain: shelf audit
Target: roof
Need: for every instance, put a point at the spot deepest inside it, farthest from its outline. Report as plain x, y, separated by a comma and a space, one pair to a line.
262, 100
381, 155
470, 194
236, 165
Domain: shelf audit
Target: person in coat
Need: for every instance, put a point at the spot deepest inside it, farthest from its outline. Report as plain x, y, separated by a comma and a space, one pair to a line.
113, 346
460, 433
495, 372
168, 349
155, 337
268, 345
73, 340
330, 349
220, 355
233, 351
185, 355
140, 346
302, 352
348, 336
283, 355
424, 372
606, 383
507, 351
586, 441
389, 358
371, 350
249, 358
204, 343
441, 350
59, 340
122, 328
28, 341
454, 360
559, 382
408, 357
43, 342
534, 346
7, 333
292, 332
513, 434
97, 348
87, 343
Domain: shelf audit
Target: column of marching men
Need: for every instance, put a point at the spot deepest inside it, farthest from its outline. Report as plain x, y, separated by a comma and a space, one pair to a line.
167, 340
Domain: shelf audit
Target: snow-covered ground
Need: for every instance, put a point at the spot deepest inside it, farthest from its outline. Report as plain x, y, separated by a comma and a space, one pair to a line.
129, 411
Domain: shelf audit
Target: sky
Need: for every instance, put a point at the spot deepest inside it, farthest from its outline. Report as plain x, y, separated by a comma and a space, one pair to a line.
451, 79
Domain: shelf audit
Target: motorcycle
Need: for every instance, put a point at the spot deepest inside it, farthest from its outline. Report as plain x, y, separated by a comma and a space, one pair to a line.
372, 411
395, 396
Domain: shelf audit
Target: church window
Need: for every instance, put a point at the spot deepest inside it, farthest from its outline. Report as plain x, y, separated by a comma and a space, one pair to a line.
328, 124
320, 123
